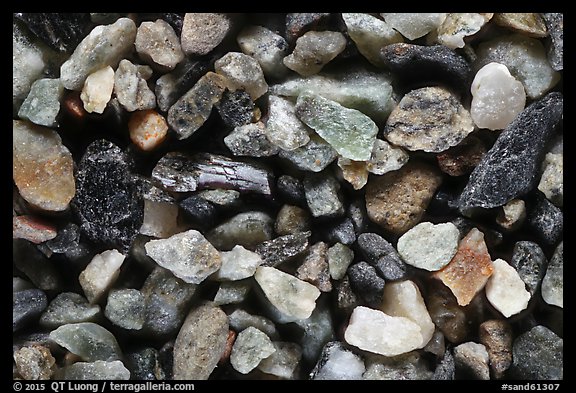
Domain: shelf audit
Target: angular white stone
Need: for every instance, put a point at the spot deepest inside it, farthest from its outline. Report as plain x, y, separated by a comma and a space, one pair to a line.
250, 348
243, 72
232, 292
100, 274
97, 90
552, 180
512, 215
403, 299
291, 296
237, 264
505, 290
386, 158
497, 97
414, 25
374, 331
188, 255
428, 246
283, 128
43, 102
267, 47
160, 219
284, 361
158, 44
314, 50
473, 357
338, 363
457, 26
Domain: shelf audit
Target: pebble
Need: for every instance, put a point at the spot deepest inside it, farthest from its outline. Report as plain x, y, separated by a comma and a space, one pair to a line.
470, 268
291, 220
430, 119
200, 342
108, 200
497, 97
250, 348
346, 299
237, 264
34, 363
555, 25
553, 282
525, 58
236, 108
338, 363
492, 237
298, 23
460, 25
512, 215
160, 219
314, 50
198, 210
283, 127
403, 299
97, 90
27, 305
323, 195
526, 23
193, 108
341, 232
546, 220
314, 156
167, 300
410, 366
188, 255
246, 229
144, 365
283, 248
382, 255
354, 172
417, 65
428, 246
471, 360
530, 262
240, 320
158, 45
172, 85
317, 330
291, 296
511, 160
232, 292
386, 158
366, 283
250, 140
447, 315
29, 260
148, 129
351, 133
397, 200
88, 340
131, 88
376, 332
105, 46
314, 268
496, 335
370, 34
126, 308
179, 172
505, 290
67, 308
221, 197
242, 72
100, 274
98, 370
446, 369
284, 360
552, 180
412, 25
356, 87
202, 32
538, 355
42, 166
267, 47
42, 103
33, 229
339, 258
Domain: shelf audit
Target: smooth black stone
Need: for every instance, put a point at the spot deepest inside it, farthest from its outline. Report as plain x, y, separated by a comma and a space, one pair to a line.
538, 355
108, 199
283, 248
366, 283
67, 242
27, 305
299, 23
530, 262
236, 108
546, 220
36, 266
199, 210
382, 255
144, 365
418, 65
342, 232
291, 190
446, 369
511, 168
62, 31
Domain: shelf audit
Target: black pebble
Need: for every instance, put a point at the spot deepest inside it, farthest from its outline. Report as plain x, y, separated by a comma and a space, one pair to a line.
366, 283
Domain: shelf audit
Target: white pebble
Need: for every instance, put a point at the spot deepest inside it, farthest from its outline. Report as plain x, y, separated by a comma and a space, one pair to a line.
97, 90
414, 25
505, 290
100, 274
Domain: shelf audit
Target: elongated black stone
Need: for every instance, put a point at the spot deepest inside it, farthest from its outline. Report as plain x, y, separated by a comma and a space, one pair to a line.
62, 31
182, 173
108, 199
418, 65
511, 167
283, 248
